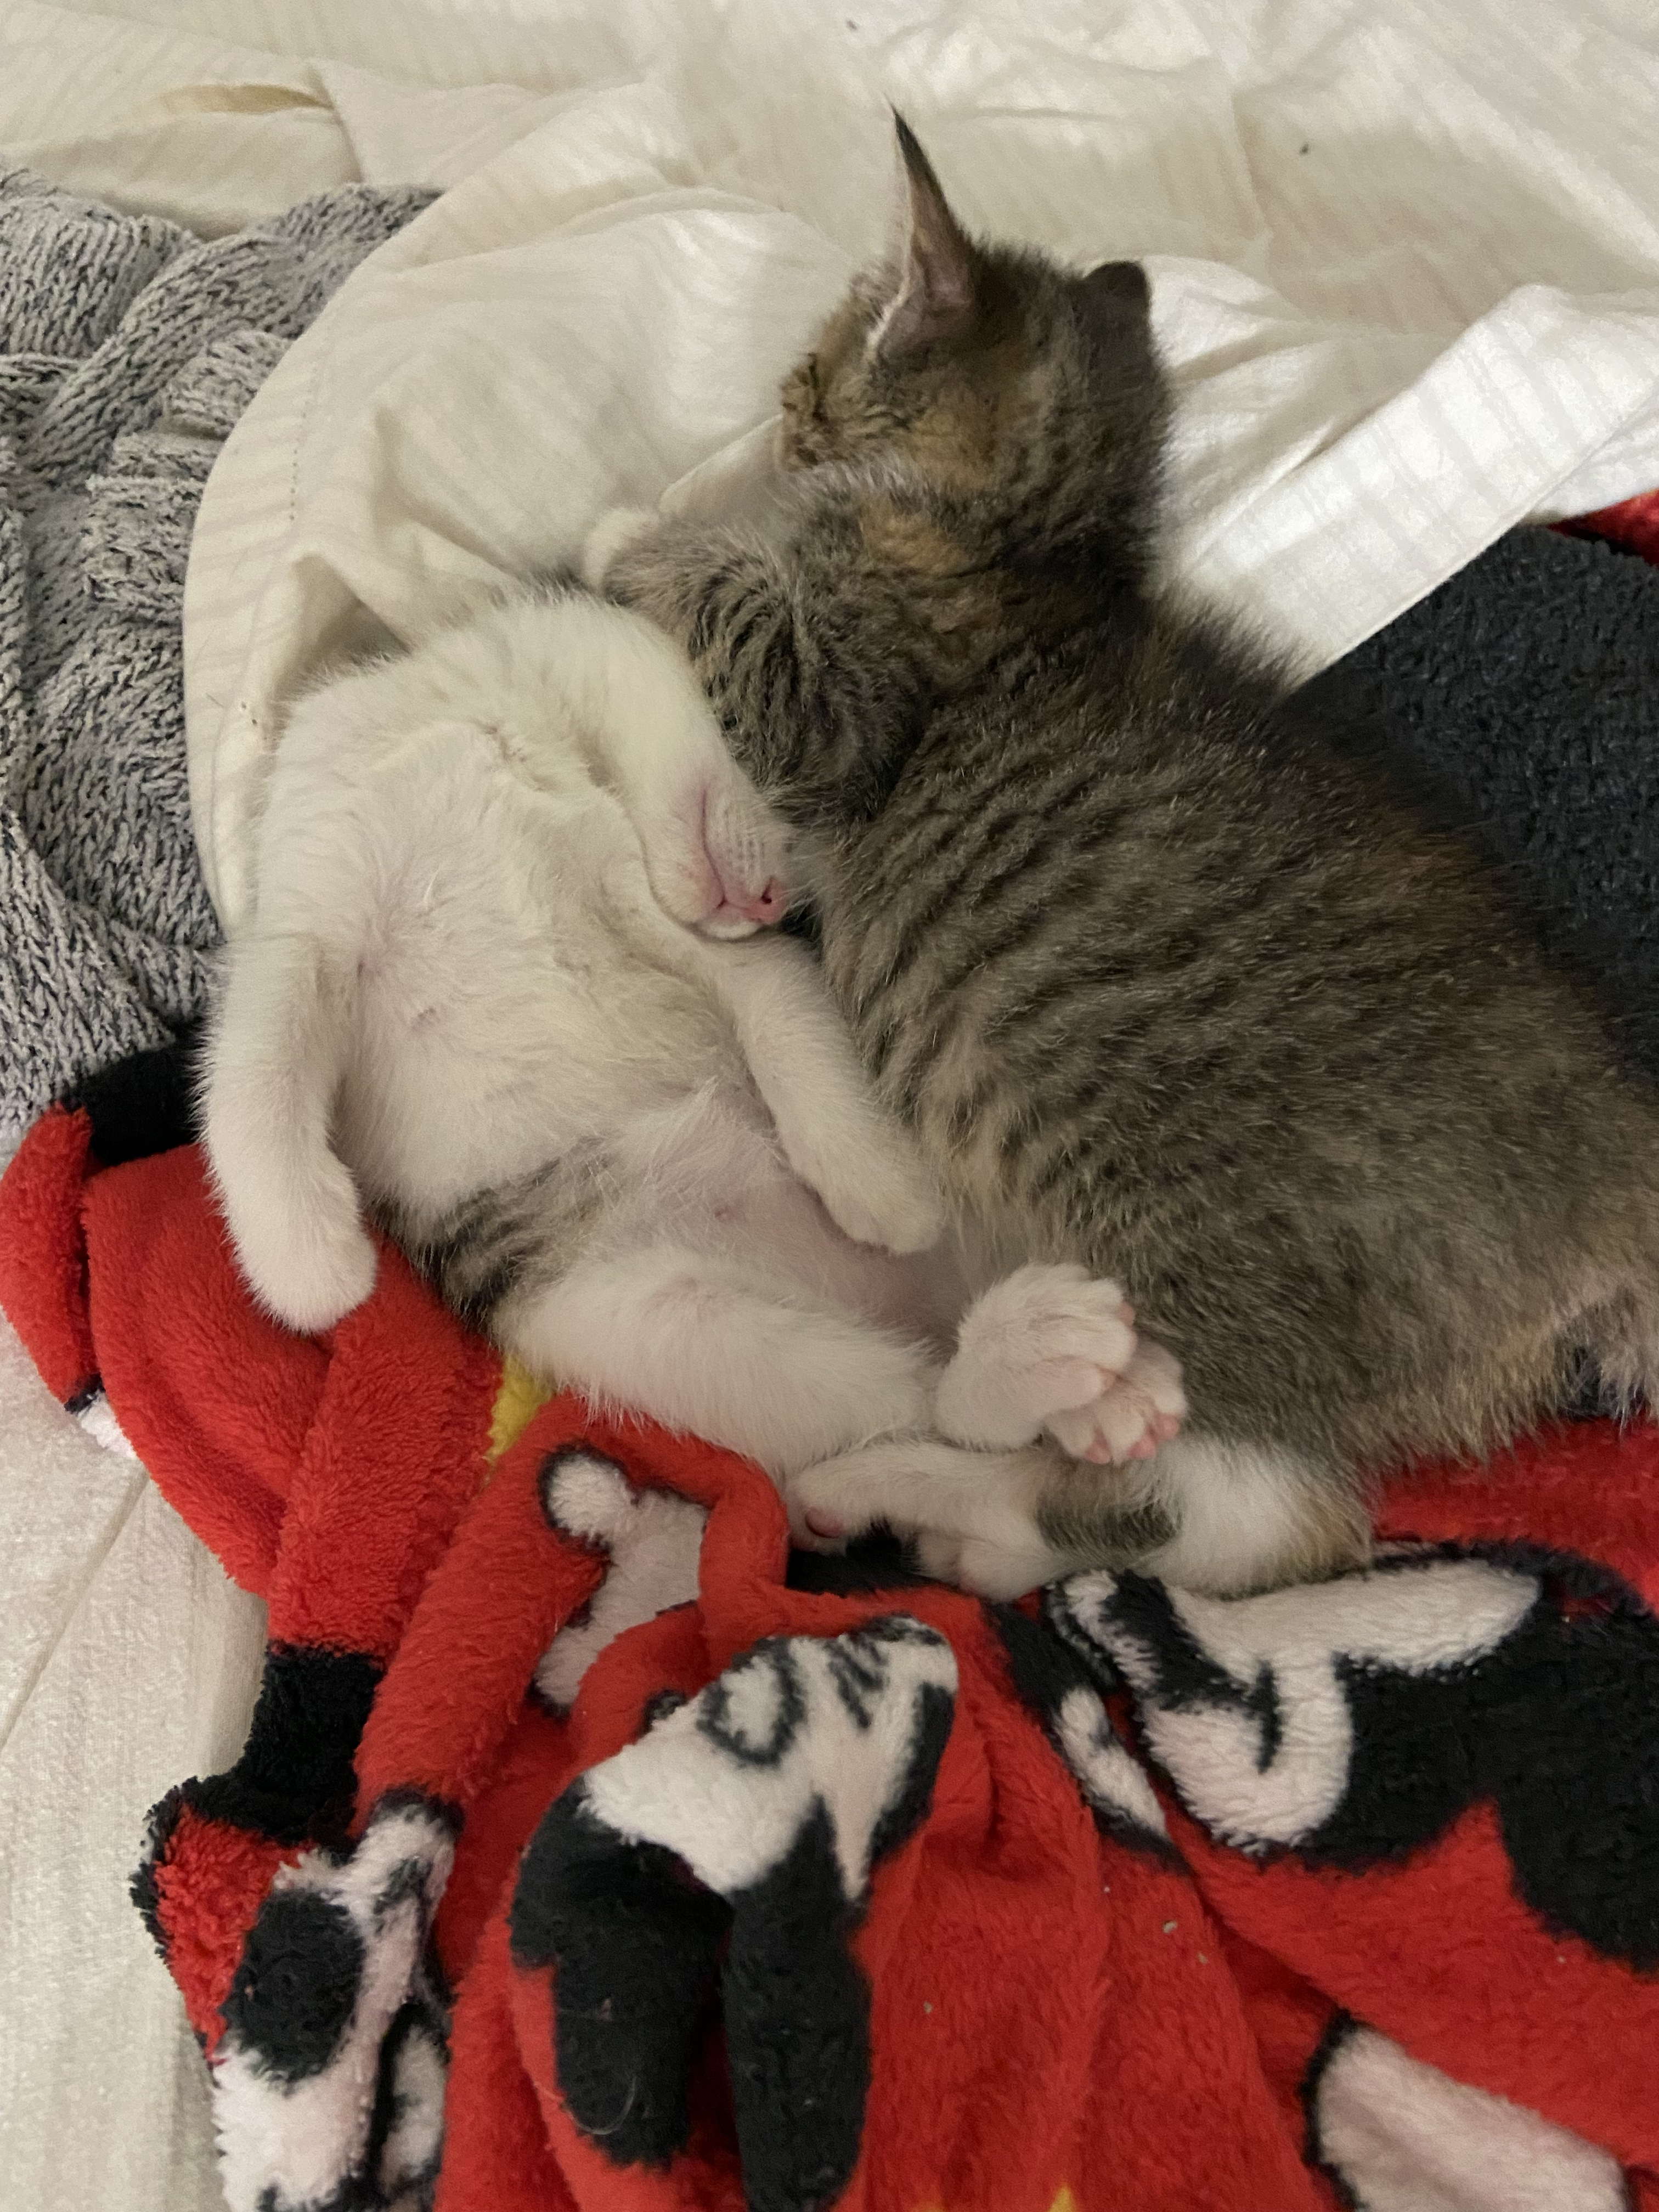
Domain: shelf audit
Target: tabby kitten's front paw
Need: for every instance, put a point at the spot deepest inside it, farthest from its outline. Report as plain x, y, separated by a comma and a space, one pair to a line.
1053, 1347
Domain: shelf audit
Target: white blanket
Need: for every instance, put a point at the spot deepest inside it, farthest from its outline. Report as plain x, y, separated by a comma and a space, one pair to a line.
1407, 265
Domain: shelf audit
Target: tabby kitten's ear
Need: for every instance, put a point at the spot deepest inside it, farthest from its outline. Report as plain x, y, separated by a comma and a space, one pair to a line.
1117, 286
936, 298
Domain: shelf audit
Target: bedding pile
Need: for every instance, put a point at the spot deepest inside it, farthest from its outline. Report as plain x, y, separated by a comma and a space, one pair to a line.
588, 1851
128, 351
700, 1887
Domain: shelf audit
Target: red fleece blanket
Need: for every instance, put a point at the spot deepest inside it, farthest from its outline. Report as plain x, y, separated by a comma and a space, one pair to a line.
587, 1851
576, 1859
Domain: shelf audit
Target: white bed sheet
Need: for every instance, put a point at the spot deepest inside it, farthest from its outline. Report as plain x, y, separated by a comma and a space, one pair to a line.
1439, 318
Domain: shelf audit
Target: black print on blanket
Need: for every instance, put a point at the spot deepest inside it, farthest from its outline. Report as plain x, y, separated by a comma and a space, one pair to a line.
1354, 1720
750, 1817
328, 2088
1055, 1682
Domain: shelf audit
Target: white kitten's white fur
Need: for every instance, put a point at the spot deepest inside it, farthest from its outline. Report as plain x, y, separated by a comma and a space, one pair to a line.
500, 886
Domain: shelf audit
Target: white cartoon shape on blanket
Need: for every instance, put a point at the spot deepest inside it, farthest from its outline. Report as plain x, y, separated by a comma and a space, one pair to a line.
1114, 1785
417, 2065
654, 1540
780, 1786
729, 1780
333, 1961
1241, 1700
1401, 2137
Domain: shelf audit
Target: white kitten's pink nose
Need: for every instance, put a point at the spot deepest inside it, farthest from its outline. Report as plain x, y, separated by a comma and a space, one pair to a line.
736, 916
766, 906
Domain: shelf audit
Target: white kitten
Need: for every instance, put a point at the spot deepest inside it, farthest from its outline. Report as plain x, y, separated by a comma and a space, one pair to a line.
493, 992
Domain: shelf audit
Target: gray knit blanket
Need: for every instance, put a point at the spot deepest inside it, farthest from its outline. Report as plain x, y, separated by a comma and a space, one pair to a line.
128, 349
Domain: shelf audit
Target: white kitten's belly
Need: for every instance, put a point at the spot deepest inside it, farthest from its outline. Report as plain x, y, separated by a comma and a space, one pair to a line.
505, 1009
788, 1230
517, 992
708, 1173
460, 1087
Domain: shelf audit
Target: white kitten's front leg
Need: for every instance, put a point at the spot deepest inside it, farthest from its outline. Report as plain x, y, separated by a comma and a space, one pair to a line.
1051, 1347
716, 854
274, 1067
860, 1160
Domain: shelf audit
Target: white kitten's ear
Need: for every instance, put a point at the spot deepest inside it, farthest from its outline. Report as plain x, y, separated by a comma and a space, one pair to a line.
612, 534
936, 298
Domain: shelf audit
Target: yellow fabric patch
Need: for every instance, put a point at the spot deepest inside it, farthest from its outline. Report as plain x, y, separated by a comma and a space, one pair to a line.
519, 1399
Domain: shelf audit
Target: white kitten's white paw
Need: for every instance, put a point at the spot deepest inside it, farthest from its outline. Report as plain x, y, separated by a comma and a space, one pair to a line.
1135, 1412
1043, 1340
991, 1569
311, 1282
823, 1516
617, 528
890, 1203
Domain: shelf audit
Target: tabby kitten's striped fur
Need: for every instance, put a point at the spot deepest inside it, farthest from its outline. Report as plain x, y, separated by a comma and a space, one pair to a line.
1167, 985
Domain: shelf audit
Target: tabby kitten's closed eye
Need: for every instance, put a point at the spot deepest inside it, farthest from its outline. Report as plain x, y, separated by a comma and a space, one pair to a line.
1165, 984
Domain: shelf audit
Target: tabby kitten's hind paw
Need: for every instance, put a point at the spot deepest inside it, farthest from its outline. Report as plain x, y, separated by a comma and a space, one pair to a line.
1053, 1347
999, 1571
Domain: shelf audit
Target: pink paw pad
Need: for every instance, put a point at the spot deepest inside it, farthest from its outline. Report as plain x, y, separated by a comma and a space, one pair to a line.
1135, 1412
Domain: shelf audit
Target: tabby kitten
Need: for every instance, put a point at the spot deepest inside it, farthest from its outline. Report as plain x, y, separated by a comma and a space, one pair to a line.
1166, 983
